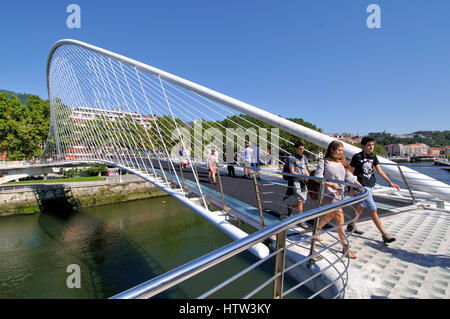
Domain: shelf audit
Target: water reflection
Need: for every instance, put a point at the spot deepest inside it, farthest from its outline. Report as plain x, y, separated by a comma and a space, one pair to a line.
117, 247
111, 259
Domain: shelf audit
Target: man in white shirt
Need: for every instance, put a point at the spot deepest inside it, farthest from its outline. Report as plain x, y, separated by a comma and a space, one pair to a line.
248, 152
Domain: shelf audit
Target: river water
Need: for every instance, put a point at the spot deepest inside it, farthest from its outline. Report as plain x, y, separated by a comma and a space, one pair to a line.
116, 247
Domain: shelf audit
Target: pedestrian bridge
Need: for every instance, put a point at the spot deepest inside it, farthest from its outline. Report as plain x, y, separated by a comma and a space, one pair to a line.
108, 109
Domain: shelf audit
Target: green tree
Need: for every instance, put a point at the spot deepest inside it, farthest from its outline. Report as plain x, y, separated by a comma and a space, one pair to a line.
40, 119
23, 129
432, 139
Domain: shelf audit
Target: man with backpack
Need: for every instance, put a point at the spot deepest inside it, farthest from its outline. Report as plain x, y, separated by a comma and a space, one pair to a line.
297, 164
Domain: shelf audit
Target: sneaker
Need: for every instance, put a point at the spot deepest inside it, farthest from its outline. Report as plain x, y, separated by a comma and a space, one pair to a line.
355, 230
387, 239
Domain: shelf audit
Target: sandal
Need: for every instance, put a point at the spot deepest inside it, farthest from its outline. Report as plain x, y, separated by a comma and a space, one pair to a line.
318, 238
348, 252
352, 228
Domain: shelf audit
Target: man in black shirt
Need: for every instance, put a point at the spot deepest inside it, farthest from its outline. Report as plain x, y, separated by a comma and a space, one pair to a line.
364, 165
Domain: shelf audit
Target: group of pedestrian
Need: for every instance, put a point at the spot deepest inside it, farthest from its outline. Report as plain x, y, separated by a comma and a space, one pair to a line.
334, 166
252, 162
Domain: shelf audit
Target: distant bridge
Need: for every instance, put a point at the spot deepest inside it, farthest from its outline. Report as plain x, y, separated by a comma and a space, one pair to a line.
428, 158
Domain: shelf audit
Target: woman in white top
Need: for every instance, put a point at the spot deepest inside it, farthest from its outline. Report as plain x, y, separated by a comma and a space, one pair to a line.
211, 163
335, 166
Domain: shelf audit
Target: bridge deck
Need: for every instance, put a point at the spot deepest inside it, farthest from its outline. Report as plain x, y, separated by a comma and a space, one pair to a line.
416, 265
239, 194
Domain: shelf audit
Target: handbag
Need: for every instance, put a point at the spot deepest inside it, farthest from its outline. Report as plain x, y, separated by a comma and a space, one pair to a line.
313, 188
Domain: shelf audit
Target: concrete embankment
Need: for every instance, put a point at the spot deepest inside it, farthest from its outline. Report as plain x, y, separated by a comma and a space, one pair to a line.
23, 199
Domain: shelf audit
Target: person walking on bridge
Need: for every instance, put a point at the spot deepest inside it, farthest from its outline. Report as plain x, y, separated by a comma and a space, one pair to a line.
335, 167
247, 154
297, 164
211, 163
363, 165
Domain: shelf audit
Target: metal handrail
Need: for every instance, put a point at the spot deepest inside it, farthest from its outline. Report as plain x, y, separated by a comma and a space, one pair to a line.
411, 183
165, 281
407, 184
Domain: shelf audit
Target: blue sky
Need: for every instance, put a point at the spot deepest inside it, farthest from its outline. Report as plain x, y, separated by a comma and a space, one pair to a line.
316, 60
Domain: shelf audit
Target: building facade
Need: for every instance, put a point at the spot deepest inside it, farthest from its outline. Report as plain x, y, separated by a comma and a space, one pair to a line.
82, 115
417, 149
447, 150
437, 151
347, 137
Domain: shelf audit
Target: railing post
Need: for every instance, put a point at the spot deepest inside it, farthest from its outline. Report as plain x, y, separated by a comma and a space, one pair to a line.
224, 206
258, 199
316, 224
182, 177
279, 265
194, 166
170, 170
407, 185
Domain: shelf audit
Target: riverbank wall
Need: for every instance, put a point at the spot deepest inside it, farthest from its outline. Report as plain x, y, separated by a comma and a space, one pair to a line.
23, 199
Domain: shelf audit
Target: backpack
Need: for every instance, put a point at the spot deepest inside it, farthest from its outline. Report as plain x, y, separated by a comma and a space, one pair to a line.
313, 187
286, 170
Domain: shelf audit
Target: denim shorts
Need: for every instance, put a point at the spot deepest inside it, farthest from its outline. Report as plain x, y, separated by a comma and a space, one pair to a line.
369, 203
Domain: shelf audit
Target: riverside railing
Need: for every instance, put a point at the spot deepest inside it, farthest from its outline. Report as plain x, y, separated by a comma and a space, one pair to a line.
293, 253
413, 184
